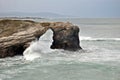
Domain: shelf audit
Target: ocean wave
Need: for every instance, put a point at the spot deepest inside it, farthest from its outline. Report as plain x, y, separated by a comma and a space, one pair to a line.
32, 51
98, 39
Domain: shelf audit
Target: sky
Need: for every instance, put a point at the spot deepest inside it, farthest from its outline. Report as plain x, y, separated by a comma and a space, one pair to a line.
78, 8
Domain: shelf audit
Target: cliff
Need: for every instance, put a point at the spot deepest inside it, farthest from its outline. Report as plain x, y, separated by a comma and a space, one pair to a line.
15, 35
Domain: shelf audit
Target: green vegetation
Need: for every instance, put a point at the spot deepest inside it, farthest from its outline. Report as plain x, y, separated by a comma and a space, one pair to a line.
8, 27
45, 24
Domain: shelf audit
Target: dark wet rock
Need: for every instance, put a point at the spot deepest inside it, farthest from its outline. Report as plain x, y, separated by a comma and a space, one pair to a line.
65, 36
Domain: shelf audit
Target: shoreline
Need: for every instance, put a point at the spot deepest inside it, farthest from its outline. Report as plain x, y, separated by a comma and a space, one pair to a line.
16, 35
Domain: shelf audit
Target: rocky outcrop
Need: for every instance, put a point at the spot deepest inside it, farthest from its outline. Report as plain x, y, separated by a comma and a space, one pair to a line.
65, 36
15, 35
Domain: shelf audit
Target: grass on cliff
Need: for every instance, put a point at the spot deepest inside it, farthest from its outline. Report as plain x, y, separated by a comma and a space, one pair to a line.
8, 27
45, 24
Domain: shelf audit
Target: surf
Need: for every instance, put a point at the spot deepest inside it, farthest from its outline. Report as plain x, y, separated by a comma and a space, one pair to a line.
39, 47
98, 39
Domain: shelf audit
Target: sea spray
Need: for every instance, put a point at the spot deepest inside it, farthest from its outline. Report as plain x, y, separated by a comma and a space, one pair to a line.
32, 51
39, 47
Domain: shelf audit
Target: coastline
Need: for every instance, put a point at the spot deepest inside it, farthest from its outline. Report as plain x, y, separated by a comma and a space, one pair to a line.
17, 34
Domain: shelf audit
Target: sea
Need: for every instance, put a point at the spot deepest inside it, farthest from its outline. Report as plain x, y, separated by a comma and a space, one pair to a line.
98, 60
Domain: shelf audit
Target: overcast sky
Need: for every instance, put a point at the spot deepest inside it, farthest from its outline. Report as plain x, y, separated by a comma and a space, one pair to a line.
80, 8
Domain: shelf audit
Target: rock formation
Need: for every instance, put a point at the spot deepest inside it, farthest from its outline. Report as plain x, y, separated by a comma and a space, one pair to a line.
15, 35
65, 36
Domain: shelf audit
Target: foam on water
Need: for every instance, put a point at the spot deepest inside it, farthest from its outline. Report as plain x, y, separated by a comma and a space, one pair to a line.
39, 47
32, 51
43, 60
99, 60
89, 54
98, 39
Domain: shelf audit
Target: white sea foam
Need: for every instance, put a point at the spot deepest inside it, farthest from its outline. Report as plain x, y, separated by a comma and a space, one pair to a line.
32, 52
99, 39
85, 38
39, 47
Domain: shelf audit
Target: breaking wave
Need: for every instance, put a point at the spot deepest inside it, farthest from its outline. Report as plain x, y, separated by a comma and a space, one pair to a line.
98, 39
39, 47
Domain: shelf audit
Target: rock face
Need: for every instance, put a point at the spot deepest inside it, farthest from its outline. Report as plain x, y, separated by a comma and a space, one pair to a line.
15, 35
65, 36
